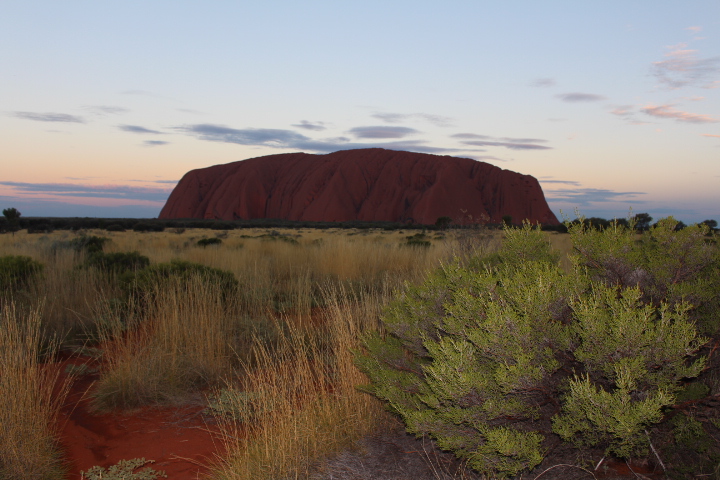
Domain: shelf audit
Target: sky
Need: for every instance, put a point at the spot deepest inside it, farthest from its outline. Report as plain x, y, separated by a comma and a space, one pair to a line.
613, 106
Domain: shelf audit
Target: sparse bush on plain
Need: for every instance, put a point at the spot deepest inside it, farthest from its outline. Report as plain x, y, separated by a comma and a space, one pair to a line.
204, 242
490, 356
117, 262
148, 281
17, 271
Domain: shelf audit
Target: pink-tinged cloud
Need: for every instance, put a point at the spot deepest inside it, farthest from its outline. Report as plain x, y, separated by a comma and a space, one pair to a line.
694, 29
683, 67
710, 135
667, 111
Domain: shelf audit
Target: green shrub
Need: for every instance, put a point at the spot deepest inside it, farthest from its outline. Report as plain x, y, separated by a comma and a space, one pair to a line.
491, 356
17, 271
119, 262
148, 281
115, 227
84, 243
124, 470
204, 242
417, 240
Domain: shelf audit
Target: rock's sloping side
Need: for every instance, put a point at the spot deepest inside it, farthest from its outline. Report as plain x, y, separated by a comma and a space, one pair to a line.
367, 185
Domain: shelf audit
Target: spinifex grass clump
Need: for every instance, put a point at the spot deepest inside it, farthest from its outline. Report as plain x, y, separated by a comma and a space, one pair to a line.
30, 401
299, 402
179, 344
491, 356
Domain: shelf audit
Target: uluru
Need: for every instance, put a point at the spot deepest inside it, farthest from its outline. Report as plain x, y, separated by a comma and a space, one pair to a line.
374, 185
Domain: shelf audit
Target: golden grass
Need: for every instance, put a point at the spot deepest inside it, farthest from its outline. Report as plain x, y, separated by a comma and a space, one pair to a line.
301, 402
179, 345
190, 337
31, 401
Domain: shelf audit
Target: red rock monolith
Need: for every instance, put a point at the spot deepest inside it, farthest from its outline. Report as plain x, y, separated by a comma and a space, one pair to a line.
372, 185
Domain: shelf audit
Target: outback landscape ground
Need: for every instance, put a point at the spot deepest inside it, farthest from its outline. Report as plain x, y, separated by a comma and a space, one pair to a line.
235, 359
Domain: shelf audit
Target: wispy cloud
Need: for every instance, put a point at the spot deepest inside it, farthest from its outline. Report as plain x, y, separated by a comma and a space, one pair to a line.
507, 142
577, 97
589, 196
49, 117
683, 67
710, 135
105, 110
315, 126
694, 29
139, 129
543, 82
154, 143
437, 120
119, 192
667, 111
382, 132
288, 139
561, 182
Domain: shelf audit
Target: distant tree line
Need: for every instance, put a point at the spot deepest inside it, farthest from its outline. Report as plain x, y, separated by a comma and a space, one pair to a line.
12, 220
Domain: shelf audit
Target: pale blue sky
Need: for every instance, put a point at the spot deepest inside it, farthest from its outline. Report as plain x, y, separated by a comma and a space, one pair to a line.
611, 105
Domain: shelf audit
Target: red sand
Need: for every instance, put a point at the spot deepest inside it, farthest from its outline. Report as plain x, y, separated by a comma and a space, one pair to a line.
182, 440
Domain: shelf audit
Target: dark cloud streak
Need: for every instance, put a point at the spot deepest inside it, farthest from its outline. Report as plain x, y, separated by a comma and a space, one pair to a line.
49, 117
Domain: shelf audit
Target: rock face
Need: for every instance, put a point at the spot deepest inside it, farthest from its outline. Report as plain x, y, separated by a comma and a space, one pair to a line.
367, 185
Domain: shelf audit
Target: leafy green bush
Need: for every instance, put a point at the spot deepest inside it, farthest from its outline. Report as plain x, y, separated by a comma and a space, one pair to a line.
500, 357
118, 262
124, 470
148, 281
204, 242
83, 243
16, 271
417, 240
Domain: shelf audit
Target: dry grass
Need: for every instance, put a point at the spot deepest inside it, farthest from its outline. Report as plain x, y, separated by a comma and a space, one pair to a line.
291, 329
179, 345
301, 402
30, 403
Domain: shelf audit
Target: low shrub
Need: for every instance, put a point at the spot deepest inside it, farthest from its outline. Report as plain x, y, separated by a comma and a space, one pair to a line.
124, 470
118, 262
148, 281
500, 358
417, 240
17, 271
204, 242
115, 227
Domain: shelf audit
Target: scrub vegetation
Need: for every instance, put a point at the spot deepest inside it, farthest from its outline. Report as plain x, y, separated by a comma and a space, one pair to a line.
498, 346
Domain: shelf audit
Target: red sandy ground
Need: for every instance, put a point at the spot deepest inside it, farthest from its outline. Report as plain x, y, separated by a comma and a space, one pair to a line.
182, 440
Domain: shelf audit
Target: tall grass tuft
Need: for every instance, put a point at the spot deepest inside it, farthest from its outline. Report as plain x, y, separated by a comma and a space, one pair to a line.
31, 400
178, 345
300, 402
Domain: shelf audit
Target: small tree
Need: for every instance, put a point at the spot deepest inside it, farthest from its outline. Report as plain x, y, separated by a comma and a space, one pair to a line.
642, 221
12, 215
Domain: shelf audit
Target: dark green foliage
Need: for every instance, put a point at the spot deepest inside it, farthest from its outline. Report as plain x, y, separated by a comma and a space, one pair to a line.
146, 282
17, 271
507, 219
417, 240
117, 263
642, 221
443, 222
204, 242
40, 228
148, 227
87, 243
115, 227
490, 356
